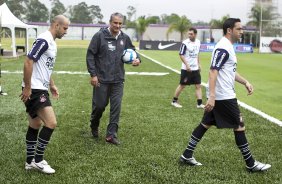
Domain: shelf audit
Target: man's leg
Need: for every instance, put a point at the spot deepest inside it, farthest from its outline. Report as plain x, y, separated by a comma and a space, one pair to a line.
196, 136
243, 146
116, 95
31, 139
177, 92
47, 115
99, 103
199, 96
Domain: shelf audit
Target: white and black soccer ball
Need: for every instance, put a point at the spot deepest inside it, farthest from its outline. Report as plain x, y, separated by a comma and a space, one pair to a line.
128, 56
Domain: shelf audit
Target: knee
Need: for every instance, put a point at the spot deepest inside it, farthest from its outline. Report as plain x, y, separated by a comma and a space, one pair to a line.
51, 124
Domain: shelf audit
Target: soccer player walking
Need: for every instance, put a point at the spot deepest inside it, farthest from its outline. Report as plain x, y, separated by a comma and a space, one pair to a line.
37, 79
222, 108
190, 69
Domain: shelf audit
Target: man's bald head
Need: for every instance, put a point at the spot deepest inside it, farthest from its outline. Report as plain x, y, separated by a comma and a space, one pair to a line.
60, 19
59, 26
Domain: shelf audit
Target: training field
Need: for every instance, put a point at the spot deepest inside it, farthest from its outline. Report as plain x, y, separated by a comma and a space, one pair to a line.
153, 133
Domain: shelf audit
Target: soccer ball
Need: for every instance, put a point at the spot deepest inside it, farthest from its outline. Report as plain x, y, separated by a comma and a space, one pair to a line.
128, 56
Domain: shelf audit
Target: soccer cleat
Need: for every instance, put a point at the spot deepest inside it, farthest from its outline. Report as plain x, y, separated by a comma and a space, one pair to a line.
28, 166
189, 161
43, 167
200, 106
112, 140
95, 132
175, 104
259, 167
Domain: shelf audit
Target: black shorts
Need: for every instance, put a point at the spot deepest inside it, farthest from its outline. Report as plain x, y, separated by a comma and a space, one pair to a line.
188, 78
38, 99
225, 114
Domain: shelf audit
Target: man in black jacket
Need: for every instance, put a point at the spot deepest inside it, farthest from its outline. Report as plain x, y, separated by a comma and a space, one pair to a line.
106, 69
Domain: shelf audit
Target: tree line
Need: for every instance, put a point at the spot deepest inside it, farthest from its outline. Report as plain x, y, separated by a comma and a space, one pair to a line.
35, 11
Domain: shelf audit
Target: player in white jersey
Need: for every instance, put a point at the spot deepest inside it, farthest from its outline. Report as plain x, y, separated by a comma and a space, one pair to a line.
190, 69
222, 108
37, 79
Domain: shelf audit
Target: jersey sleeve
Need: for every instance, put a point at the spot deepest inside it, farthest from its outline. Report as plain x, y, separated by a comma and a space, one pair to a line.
220, 57
38, 48
182, 49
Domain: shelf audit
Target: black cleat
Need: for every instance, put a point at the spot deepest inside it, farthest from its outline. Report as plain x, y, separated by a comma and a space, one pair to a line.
95, 132
112, 140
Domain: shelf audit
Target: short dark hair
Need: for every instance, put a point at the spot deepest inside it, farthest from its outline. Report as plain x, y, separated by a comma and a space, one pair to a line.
116, 14
193, 29
229, 23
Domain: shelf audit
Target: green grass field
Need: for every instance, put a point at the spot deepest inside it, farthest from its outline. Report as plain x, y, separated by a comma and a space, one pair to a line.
152, 132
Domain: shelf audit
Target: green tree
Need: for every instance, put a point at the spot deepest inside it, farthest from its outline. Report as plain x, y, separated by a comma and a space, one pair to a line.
181, 25
95, 13
130, 12
153, 19
36, 11
218, 24
267, 13
141, 26
16, 7
169, 19
57, 8
80, 14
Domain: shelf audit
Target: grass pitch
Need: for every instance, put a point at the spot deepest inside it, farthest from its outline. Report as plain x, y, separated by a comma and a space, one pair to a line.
153, 133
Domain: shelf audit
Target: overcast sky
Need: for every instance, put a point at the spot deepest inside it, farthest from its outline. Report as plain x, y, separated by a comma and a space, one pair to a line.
195, 10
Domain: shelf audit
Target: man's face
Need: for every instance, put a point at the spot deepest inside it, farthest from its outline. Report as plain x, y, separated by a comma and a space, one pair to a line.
237, 32
191, 35
115, 24
62, 29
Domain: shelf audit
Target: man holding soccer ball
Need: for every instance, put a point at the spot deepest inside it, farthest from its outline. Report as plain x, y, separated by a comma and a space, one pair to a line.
106, 68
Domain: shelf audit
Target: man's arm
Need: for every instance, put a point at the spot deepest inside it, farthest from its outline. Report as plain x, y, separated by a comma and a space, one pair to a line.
212, 82
243, 81
53, 88
182, 57
90, 60
27, 72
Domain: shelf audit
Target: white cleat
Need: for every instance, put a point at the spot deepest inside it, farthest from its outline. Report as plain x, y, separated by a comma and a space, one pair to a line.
175, 104
28, 166
43, 167
200, 106
189, 161
259, 167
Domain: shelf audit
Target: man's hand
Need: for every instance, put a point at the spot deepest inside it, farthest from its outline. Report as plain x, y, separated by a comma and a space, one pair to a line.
249, 88
188, 67
210, 104
55, 92
136, 62
94, 81
25, 94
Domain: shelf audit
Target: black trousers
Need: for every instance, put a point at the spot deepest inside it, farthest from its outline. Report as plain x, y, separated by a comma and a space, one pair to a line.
102, 95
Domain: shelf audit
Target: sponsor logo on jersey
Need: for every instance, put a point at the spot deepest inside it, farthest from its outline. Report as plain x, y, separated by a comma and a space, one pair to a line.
50, 63
37, 52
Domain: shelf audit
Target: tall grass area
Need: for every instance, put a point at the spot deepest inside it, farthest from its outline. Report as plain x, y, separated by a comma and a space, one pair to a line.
262, 70
153, 133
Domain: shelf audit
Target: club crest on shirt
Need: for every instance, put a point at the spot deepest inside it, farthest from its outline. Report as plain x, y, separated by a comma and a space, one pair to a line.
121, 42
42, 98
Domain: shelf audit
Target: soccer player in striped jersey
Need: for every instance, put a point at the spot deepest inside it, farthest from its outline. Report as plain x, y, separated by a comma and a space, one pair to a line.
190, 69
222, 108
38, 68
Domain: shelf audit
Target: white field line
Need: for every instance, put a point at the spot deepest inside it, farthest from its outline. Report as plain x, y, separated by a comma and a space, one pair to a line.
86, 73
242, 104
